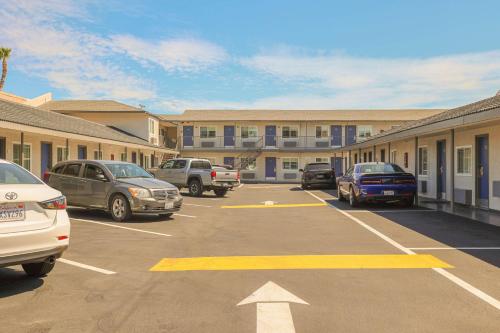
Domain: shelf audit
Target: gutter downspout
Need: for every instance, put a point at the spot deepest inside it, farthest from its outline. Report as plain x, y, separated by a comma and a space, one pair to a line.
21, 153
416, 169
452, 166
66, 157
389, 151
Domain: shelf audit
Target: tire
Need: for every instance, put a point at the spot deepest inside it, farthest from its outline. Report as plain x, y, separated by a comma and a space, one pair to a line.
353, 202
304, 186
38, 269
120, 208
340, 196
166, 215
220, 193
409, 203
195, 188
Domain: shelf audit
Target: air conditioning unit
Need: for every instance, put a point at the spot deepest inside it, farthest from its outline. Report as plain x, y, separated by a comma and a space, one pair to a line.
249, 144
153, 141
290, 144
321, 144
207, 144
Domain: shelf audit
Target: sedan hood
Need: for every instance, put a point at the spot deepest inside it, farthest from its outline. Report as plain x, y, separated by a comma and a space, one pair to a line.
149, 183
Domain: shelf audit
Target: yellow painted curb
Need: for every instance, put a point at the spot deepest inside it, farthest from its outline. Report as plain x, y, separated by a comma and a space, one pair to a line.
378, 261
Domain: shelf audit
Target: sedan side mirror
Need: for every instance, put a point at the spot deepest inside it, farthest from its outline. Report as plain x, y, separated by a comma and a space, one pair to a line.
101, 177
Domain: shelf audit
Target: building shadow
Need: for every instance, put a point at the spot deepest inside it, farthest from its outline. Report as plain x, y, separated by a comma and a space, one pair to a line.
14, 282
450, 230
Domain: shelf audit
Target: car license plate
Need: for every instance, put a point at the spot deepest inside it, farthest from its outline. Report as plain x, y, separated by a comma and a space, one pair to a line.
169, 205
388, 192
12, 212
320, 176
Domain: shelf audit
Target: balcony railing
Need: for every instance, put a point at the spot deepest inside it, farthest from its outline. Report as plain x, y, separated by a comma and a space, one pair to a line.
259, 142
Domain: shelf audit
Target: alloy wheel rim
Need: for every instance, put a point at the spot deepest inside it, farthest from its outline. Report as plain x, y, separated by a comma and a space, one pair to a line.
118, 207
194, 188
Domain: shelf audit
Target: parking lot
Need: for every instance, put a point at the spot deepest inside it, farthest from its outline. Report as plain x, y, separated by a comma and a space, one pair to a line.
331, 268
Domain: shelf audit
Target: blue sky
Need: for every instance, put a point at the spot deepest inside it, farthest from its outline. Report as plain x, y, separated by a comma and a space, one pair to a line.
173, 55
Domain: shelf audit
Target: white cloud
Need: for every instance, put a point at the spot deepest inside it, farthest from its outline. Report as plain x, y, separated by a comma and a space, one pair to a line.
172, 54
340, 80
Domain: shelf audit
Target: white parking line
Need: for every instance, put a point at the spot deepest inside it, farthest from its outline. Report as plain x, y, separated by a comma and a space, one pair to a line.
182, 215
92, 268
455, 279
195, 205
394, 211
452, 248
120, 227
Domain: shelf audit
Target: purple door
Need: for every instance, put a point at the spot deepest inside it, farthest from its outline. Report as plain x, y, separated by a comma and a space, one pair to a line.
46, 151
482, 172
441, 169
270, 136
336, 132
336, 162
270, 167
187, 135
350, 134
228, 136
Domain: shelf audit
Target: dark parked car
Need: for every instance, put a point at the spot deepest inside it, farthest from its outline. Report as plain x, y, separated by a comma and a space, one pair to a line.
318, 174
118, 187
377, 182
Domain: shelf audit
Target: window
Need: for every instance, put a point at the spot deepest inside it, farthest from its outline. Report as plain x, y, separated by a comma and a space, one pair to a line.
112, 157
290, 163
289, 132
364, 131
422, 161
394, 154
379, 168
26, 160
72, 170
168, 164
151, 126
464, 160
97, 155
13, 174
146, 162
203, 165
365, 158
370, 156
406, 160
207, 132
321, 131
322, 160
248, 163
248, 132
179, 164
94, 172
123, 157
355, 158
62, 154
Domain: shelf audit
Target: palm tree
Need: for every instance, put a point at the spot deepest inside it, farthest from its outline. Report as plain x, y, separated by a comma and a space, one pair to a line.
4, 55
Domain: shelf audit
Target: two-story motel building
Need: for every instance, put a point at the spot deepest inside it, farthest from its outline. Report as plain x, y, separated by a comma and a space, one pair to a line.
37, 133
272, 145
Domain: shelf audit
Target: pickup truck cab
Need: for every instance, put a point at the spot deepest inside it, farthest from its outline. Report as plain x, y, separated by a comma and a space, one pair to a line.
197, 175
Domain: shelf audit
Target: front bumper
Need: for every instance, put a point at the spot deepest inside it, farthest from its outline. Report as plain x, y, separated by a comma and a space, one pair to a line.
35, 245
153, 206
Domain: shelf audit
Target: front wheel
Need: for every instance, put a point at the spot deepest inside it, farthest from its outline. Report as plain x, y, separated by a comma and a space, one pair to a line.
38, 269
220, 192
120, 208
353, 201
340, 196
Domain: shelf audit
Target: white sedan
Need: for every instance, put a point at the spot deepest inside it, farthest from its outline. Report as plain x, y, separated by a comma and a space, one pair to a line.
34, 225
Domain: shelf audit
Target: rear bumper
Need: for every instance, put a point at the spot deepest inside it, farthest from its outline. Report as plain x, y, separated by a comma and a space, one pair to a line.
35, 245
380, 192
223, 185
329, 181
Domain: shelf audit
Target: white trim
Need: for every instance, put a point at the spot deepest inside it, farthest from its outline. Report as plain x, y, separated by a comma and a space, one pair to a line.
120, 227
297, 127
208, 138
422, 175
68, 157
22, 157
290, 170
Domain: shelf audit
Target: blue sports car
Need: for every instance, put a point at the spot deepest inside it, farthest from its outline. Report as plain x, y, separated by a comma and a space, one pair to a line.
377, 182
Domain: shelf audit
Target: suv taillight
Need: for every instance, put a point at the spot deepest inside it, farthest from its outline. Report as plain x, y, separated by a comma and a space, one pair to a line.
57, 203
213, 174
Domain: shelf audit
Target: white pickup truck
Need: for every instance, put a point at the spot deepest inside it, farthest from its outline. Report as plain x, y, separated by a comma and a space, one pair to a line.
197, 175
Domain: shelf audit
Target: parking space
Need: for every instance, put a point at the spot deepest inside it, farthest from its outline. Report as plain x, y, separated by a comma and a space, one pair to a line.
331, 268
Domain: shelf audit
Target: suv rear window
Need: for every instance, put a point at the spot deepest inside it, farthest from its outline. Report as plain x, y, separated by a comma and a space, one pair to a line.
318, 166
72, 170
58, 169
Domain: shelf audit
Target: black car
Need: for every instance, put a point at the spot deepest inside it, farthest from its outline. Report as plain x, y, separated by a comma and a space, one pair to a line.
318, 174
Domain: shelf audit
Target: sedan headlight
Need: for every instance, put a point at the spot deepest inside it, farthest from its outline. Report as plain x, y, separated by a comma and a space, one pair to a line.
139, 193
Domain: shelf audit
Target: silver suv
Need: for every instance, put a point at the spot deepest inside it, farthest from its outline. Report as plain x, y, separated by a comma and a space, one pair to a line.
118, 187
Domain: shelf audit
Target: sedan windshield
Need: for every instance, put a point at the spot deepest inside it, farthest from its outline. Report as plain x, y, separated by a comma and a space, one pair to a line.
318, 166
13, 174
127, 170
380, 168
